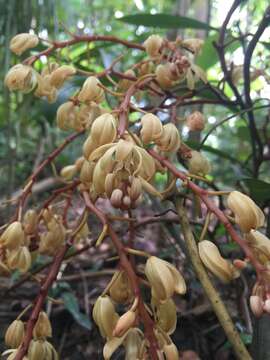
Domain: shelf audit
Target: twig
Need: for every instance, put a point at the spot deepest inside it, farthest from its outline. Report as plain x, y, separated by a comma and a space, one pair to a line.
213, 296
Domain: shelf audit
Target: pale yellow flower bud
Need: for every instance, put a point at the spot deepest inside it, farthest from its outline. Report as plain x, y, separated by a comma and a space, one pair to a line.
19, 259
21, 77
124, 323
13, 236
153, 45
68, 172
61, 74
104, 129
105, 316
135, 189
43, 326
66, 116
91, 91
198, 164
152, 128
171, 352
14, 334
116, 198
215, 263
13, 355
247, 214
37, 350
120, 290
260, 244
266, 306
133, 344
194, 45
256, 305
30, 221
54, 239
22, 42
170, 139
166, 315
164, 76
86, 173
45, 88
124, 84
195, 121
164, 279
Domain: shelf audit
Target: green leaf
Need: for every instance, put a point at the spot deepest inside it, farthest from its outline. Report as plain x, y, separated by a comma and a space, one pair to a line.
165, 21
259, 190
72, 305
209, 55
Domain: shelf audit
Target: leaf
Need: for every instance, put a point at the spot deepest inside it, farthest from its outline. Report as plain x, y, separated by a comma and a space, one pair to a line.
209, 55
165, 21
72, 305
259, 190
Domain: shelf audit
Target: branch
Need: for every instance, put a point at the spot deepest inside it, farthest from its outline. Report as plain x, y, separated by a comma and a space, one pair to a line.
203, 195
126, 265
213, 296
52, 274
246, 74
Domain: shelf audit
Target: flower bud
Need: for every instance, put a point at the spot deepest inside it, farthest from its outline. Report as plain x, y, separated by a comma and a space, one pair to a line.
215, 263
260, 244
164, 279
152, 128
86, 172
133, 344
194, 45
124, 84
120, 290
103, 129
45, 88
195, 121
266, 306
43, 326
198, 164
105, 316
30, 221
14, 354
19, 259
66, 116
153, 45
116, 198
14, 334
247, 214
135, 189
22, 42
61, 74
13, 236
50, 352
21, 77
54, 239
68, 172
171, 352
124, 323
170, 139
37, 350
256, 305
166, 315
164, 76
91, 91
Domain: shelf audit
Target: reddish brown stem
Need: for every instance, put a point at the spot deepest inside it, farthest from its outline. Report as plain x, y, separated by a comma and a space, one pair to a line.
22, 351
27, 190
126, 265
203, 195
82, 38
